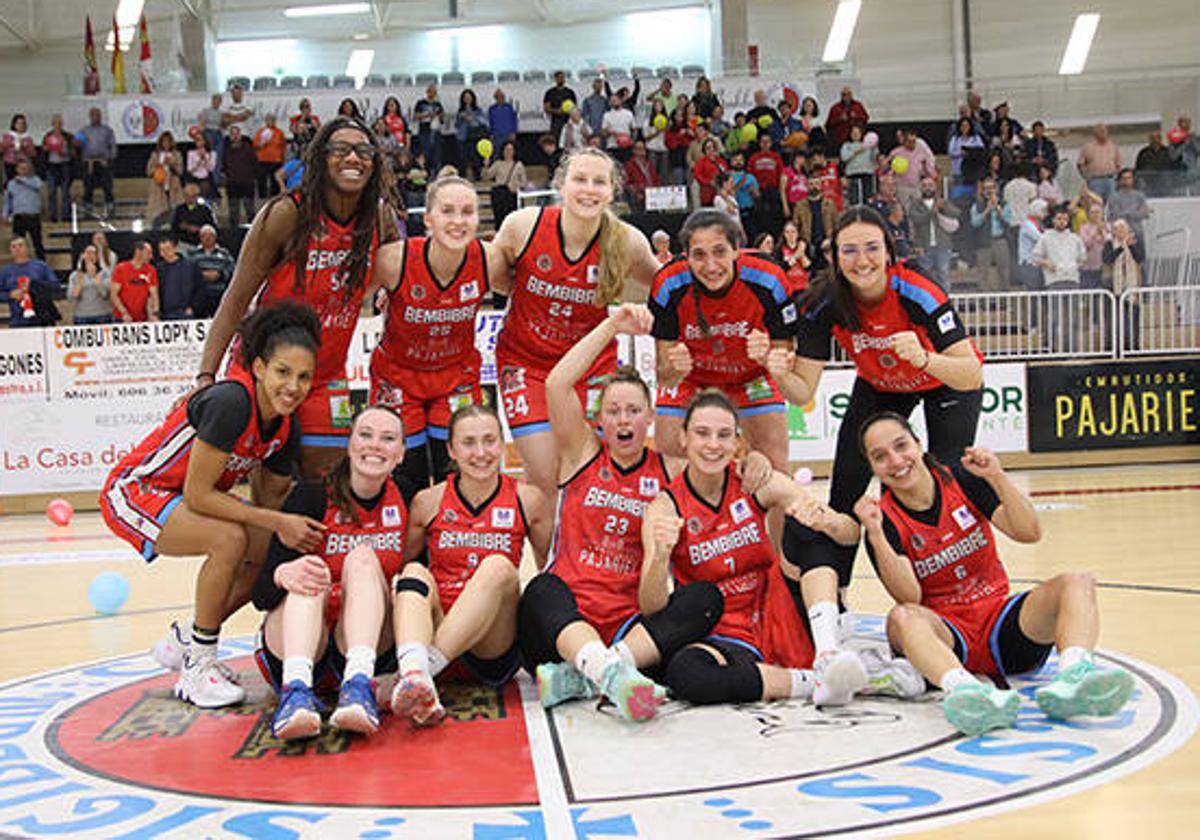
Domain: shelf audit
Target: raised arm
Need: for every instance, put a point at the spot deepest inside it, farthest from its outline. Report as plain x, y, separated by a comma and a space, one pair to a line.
895, 571
660, 532
539, 519
783, 493
1015, 515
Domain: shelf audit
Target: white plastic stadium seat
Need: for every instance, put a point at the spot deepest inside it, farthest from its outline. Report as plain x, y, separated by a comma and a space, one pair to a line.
318, 82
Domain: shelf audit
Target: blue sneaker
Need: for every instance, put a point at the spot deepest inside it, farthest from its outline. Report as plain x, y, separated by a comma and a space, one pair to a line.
561, 682
356, 709
299, 713
1085, 689
976, 708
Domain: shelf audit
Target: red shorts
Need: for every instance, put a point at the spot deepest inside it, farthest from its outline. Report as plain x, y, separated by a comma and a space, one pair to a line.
759, 395
521, 387
427, 399
136, 512
988, 637
325, 416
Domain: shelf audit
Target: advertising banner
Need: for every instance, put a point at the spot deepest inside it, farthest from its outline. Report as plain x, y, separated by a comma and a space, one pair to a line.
1109, 405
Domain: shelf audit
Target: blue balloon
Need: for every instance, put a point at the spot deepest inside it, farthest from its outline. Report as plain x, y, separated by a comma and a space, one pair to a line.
107, 592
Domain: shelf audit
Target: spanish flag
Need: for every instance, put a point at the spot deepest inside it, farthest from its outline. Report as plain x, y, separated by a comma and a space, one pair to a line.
118, 62
145, 68
91, 75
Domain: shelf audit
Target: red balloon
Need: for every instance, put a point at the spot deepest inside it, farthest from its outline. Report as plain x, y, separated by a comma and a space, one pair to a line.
1176, 135
60, 511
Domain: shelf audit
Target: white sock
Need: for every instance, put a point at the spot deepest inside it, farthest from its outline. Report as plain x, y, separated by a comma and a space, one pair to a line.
437, 660
823, 618
593, 658
623, 651
298, 668
360, 659
412, 656
803, 683
955, 677
1073, 656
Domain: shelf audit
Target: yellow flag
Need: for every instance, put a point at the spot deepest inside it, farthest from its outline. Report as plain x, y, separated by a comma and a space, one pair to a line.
118, 61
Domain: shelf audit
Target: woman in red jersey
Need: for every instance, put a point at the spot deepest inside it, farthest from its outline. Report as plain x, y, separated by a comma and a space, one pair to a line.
569, 263
327, 608
170, 495
459, 592
930, 538
909, 346
579, 621
318, 245
707, 526
426, 365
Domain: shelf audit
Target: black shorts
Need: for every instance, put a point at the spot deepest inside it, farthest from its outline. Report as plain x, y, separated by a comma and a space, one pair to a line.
328, 668
1007, 647
494, 672
733, 651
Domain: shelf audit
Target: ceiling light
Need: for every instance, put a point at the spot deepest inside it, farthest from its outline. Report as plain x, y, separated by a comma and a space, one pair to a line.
1079, 44
328, 10
842, 30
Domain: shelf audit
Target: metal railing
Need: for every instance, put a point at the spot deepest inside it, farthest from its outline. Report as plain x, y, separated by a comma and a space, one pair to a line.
1160, 320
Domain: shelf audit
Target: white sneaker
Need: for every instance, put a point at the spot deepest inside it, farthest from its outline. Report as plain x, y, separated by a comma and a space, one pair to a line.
168, 651
202, 683
891, 676
840, 675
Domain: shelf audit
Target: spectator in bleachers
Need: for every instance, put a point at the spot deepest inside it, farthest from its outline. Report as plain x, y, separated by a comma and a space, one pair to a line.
134, 290
1093, 232
1099, 162
660, 241
575, 133
705, 100
981, 117
933, 221
967, 158
666, 96
617, 130
551, 154
718, 125
349, 108
782, 131
706, 170
809, 111
858, 166
1040, 149
304, 126
395, 128
241, 173
1124, 255
919, 163
23, 204
201, 168
553, 99
793, 181
594, 105
655, 135
428, 115
1047, 186
1007, 145
56, 147
989, 219
471, 126
98, 153
164, 169
507, 177
211, 122
695, 151
792, 252
997, 168
1060, 254
240, 111
502, 119
761, 109
735, 138
844, 113
1185, 148
108, 257
271, 147
640, 174
766, 165
823, 175
29, 286
215, 266
1154, 166
1028, 275
1017, 194
726, 198
193, 214
89, 287
764, 243
1000, 115
815, 218
627, 96
678, 138
449, 147
747, 192
16, 144
178, 282
1128, 203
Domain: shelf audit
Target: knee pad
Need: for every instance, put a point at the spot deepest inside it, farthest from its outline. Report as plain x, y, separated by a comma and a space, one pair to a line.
408, 584
807, 549
689, 616
548, 604
696, 676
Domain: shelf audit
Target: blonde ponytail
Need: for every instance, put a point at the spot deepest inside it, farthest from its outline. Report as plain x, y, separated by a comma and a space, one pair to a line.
612, 247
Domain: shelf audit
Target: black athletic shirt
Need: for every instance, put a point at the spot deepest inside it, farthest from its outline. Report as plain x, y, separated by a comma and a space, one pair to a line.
220, 414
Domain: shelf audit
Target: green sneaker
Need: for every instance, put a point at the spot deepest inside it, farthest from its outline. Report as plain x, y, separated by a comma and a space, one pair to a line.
636, 696
1085, 689
560, 682
976, 708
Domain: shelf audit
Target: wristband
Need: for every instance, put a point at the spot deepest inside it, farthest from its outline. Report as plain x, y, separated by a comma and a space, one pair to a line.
203, 373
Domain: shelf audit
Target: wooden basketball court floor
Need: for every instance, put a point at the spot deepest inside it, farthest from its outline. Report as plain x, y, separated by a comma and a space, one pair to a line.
1136, 527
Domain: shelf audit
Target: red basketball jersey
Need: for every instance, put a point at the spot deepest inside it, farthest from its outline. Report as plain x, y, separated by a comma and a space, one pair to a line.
756, 299
323, 287
161, 459
728, 546
382, 528
553, 303
460, 536
598, 538
955, 560
428, 327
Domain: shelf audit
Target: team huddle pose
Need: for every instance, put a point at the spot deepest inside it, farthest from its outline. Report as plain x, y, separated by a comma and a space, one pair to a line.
698, 569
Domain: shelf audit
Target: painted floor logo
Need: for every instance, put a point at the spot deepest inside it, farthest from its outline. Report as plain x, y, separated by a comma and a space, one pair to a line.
104, 750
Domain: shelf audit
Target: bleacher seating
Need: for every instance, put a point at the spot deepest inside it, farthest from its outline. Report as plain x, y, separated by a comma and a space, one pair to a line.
375, 80
616, 73
641, 72
291, 83
483, 77
667, 72
238, 81
691, 71
453, 77
534, 75
401, 79
264, 83
508, 76
318, 82
427, 79
343, 82
587, 74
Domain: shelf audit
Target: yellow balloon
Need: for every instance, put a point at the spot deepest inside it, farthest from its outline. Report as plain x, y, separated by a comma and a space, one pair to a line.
485, 148
660, 122
765, 121
899, 165
567, 106
749, 133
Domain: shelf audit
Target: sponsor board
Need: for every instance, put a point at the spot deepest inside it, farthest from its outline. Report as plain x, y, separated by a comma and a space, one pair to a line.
1109, 405
104, 749
813, 428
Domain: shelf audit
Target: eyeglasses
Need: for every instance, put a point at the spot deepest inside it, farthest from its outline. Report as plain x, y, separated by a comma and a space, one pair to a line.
849, 252
340, 149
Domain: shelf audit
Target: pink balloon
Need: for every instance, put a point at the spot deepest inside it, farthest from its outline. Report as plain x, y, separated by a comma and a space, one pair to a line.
804, 476
60, 511
871, 139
